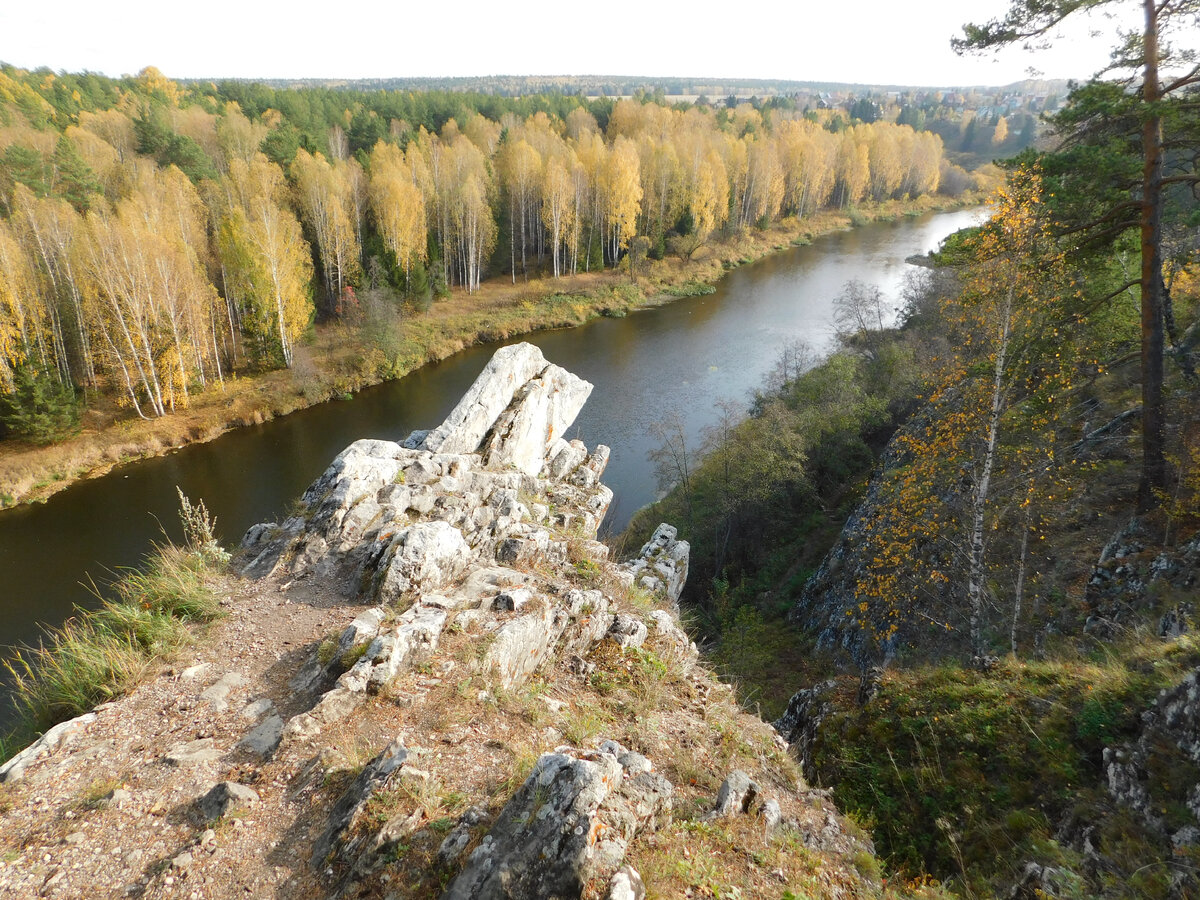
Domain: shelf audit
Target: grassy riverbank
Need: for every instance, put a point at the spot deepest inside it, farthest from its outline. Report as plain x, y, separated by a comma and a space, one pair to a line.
99, 654
340, 359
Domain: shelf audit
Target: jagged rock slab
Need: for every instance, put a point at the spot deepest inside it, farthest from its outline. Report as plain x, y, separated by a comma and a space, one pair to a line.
350, 805
521, 645
394, 520
736, 796
1172, 721
509, 369
541, 411
628, 631
422, 557
14, 768
193, 753
802, 720
569, 822
662, 565
264, 737
217, 694
666, 627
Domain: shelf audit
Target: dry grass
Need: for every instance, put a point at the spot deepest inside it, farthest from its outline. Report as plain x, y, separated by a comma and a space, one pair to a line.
99, 654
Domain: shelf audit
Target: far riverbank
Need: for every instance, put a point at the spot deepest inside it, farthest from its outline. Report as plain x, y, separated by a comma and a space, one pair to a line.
342, 359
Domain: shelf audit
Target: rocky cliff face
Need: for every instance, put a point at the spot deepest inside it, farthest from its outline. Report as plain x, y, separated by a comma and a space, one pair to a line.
433, 682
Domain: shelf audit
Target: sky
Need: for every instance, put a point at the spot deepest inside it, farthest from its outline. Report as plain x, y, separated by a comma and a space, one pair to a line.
857, 41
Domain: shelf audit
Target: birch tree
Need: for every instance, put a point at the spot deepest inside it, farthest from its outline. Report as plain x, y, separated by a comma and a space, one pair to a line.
398, 206
324, 193
266, 257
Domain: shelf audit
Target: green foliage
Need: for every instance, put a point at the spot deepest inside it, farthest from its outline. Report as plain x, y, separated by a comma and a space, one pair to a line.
157, 138
24, 165
83, 663
283, 143
690, 289
171, 584
76, 182
40, 409
99, 654
967, 775
957, 248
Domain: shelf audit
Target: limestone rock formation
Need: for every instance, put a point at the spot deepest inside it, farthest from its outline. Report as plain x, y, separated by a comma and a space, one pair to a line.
570, 822
480, 703
662, 564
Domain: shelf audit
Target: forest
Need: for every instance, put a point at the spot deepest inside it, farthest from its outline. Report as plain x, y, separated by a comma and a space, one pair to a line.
157, 238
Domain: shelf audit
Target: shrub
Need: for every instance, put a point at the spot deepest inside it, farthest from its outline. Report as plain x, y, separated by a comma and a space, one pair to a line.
39, 409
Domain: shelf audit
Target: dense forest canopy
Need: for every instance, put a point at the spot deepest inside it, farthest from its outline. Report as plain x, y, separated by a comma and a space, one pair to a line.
155, 236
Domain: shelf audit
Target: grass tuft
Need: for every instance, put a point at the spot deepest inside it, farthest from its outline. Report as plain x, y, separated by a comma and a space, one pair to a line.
99, 654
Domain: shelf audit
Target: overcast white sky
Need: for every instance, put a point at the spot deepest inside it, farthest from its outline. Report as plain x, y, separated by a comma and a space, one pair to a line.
869, 41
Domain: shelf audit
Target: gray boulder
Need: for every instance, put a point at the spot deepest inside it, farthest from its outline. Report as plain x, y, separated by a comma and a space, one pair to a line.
264, 737
570, 822
736, 796
422, 557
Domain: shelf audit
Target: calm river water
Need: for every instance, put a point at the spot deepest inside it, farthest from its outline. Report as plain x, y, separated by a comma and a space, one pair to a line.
683, 357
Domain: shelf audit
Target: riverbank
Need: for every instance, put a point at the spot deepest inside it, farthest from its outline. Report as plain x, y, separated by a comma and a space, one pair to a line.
341, 359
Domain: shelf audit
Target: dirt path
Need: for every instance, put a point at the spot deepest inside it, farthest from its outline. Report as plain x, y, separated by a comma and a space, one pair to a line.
111, 815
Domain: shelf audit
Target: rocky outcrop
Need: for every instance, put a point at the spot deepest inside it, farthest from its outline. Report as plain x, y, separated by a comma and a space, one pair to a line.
833, 588
569, 823
225, 796
661, 566
432, 681
443, 525
1121, 590
1169, 739
349, 808
800, 723
457, 525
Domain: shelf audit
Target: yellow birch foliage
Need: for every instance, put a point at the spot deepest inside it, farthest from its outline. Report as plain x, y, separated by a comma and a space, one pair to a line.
397, 205
987, 444
324, 192
623, 192
268, 262
22, 317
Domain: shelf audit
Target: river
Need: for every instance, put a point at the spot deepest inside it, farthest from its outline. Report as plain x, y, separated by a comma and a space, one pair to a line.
680, 357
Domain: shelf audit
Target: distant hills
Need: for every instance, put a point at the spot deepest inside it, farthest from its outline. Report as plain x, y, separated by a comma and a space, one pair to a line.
626, 85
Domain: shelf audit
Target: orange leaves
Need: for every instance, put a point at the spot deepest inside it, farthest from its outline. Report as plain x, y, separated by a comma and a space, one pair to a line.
992, 420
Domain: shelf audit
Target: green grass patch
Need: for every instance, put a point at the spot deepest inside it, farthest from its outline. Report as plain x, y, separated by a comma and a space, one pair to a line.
690, 289
967, 775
